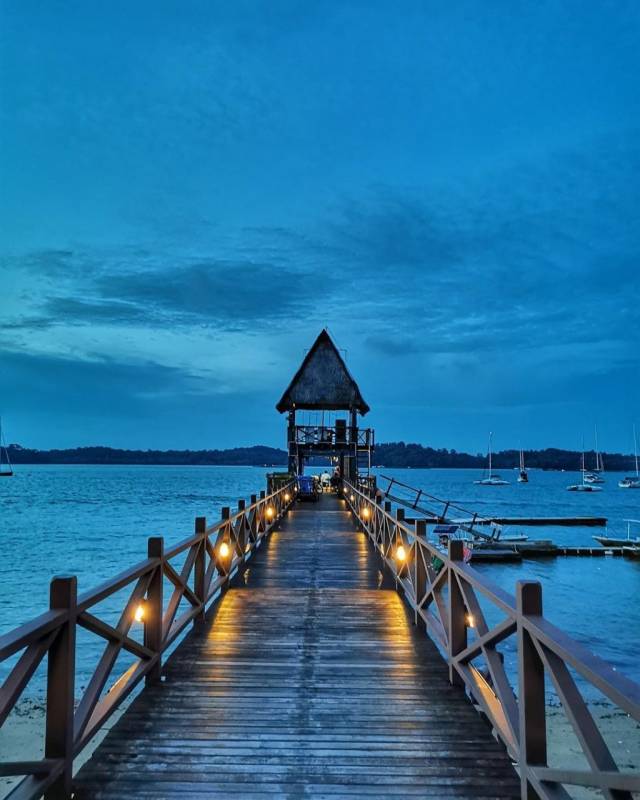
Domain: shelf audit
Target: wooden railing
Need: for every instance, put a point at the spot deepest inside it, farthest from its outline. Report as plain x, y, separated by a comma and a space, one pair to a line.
208, 559
446, 595
331, 436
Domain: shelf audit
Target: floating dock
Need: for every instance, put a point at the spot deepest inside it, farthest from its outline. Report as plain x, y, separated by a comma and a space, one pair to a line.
536, 522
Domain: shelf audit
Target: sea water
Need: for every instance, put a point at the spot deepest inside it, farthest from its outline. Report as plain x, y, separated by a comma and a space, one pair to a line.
94, 521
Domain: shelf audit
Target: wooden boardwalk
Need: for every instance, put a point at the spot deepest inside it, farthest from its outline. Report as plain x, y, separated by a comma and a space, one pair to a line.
308, 680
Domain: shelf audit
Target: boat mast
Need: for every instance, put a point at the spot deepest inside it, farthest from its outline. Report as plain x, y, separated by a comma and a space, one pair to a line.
635, 450
490, 435
2, 447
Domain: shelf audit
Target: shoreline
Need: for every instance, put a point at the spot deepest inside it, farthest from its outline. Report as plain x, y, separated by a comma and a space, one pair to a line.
22, 737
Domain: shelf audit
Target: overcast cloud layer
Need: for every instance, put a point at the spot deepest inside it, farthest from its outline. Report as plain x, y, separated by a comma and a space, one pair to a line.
191, 191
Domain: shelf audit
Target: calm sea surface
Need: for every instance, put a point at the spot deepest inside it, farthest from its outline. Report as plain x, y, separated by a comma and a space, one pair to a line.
93, 521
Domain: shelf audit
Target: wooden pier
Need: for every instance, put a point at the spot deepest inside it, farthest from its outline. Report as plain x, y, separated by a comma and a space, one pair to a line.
308, 680
316, 650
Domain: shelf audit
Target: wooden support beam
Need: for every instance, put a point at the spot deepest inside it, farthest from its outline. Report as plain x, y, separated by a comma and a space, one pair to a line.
532, 712
200, 568
457, 612
153, 617
420, 571
60, 687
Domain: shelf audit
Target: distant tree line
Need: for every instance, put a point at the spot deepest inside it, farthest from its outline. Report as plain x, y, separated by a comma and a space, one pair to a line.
237, 456
392, 454
399, 454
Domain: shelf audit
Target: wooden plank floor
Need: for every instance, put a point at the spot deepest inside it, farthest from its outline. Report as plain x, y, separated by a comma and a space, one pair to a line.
309, 680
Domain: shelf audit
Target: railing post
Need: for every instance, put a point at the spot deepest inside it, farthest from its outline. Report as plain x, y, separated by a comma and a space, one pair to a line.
199, 568
420, 571
155, 609
253, 522
224, 566
61, 685
262, 519
242, 541
398, 539
376, 521
457, 612
532, 712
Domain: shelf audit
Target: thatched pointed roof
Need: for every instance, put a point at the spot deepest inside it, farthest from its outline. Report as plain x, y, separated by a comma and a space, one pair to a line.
323, 382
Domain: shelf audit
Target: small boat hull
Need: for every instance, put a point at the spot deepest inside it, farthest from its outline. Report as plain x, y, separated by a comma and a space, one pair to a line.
584, 487
609, 541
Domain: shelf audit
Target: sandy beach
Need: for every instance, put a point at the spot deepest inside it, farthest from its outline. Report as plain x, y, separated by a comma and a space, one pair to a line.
22, 738
620, 732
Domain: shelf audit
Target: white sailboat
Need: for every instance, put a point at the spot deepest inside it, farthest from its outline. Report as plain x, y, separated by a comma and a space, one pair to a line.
584, 486
620, 541
631, 482
5, 471
491, 479
595, 476
523, 475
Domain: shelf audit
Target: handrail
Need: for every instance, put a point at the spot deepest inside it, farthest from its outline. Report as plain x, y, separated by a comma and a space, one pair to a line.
448, 504
214, 555
441, 590
330, 435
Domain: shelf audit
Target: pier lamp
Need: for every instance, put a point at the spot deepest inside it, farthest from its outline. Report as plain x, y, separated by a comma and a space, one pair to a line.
365, 512
270, 512
139, 613
223, 550
469, 621
353, 498
401, 553
287, 497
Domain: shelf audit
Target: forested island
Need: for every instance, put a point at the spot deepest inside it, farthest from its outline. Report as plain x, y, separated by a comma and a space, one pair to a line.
392, 454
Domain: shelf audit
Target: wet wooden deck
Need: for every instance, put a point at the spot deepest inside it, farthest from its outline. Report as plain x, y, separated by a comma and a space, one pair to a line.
308, 680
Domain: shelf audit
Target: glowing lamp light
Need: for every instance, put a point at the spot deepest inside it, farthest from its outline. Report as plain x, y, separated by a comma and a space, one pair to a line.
469, 621
352, 498
138, 614
270, 512
287, 497
365, 512
224, 550
401, 553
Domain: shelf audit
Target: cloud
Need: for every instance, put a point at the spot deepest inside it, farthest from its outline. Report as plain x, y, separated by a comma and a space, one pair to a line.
235, 295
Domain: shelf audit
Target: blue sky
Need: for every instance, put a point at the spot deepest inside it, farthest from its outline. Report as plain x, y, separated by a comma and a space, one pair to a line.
192, 190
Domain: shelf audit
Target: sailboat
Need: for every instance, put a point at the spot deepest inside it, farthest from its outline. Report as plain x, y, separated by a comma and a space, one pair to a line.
5, 471
491, 479
584, 486
619, 541
523, 476
630, 482
595, 475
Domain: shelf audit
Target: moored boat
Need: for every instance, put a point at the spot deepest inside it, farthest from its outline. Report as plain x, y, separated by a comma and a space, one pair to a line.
5, 471
631, 482
491, 479
584, 486
523, 475
620, 541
